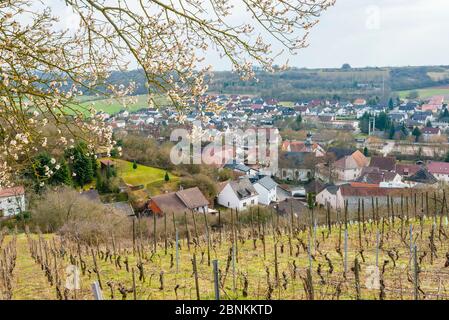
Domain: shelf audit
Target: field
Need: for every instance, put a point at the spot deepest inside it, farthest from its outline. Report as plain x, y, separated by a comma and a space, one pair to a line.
427, 92
264, 259
113, 106
152, 178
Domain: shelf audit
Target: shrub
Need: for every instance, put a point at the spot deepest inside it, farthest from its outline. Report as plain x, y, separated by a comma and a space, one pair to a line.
66, 212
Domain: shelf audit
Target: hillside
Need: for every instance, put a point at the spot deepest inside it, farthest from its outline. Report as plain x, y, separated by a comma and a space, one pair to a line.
153, 179
270, 263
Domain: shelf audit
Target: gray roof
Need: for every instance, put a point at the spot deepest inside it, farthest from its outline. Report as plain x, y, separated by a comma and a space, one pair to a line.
243, 188
267, 183
423, 176
237, 166
122, 207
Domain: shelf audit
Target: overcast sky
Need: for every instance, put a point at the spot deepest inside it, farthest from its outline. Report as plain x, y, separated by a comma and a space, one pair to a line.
371, 33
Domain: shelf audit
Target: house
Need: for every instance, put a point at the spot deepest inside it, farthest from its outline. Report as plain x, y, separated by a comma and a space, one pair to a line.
239, 194
421, 179
440, 170
290, 206
239, 168
350, 167
383, 163
429, 133
359, 102
12, 201
336, 197
181, 201
303, 146
407, 170
374, 175
295, 166
266, 188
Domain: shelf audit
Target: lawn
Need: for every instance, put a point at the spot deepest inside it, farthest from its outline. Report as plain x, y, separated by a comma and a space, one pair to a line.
113, 106
289, 104
148, 176
426, 92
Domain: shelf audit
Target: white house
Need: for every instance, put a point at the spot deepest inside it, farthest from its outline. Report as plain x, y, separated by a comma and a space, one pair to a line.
266, 188
440, 170
12, 201
238, 194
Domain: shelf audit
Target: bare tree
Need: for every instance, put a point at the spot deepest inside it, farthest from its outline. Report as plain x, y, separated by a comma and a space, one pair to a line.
45, 69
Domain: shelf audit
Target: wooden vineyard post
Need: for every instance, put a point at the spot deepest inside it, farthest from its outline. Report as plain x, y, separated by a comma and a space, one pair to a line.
234, 279
415, 269
377, 248
359, 226
134, 236
207, 237
194, 227
263, 241
377, 212
187, 231
309, 253
97, 270
195, 273
357, 278
219, 225
329, 223
177, 250
216, 279
411, 243
154, 233
276, 266
291, 217
134, 284
165, 234
346, 253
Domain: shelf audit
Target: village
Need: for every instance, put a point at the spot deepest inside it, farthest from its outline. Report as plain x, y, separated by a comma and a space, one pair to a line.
375, 164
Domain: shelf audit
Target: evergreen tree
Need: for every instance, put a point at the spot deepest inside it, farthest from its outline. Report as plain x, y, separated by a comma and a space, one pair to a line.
429, 124
416, 133
134, 165
81, 164
391, 133
364, 123
391, 104
366, 152
167, 177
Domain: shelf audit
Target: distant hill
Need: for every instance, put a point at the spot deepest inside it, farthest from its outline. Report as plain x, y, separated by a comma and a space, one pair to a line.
297, 84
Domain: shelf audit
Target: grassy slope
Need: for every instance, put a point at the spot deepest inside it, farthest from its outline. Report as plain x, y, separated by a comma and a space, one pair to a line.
152, 178
253, 263
113, 106
427, 92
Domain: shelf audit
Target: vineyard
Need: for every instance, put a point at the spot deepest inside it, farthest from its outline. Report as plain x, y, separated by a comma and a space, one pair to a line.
400, 252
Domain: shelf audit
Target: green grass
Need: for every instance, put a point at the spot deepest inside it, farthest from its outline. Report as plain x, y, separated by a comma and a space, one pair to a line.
426, 92
287, 103
113, 106
143, 175
254, 259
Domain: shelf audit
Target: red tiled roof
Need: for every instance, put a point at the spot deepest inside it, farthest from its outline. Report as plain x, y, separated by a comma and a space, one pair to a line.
407, 169
11, 192
428, 130
350, 191
383, 163
438, 167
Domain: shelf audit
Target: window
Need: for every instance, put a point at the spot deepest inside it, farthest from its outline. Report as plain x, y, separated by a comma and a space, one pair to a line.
244, 204
252, 201
11, 211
